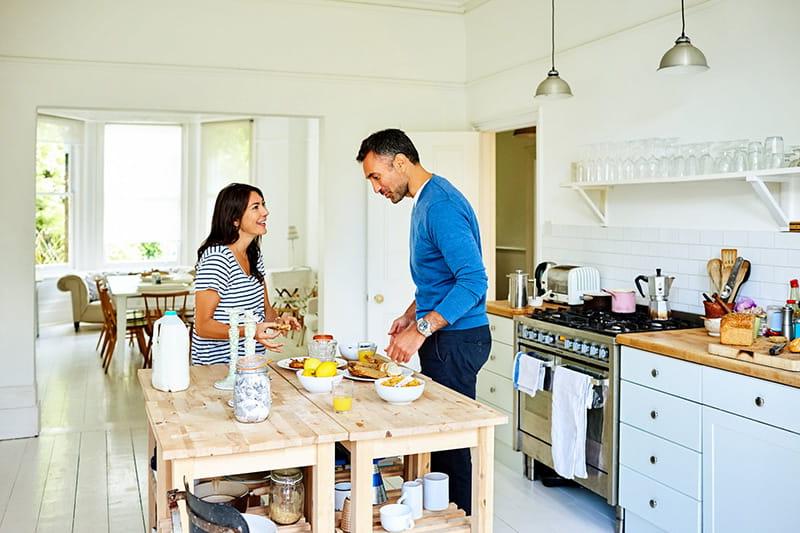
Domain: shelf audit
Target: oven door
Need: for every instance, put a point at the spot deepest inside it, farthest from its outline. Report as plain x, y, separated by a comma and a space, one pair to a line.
533, 413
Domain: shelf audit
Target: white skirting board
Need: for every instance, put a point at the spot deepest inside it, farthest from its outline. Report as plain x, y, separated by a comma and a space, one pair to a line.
19, 412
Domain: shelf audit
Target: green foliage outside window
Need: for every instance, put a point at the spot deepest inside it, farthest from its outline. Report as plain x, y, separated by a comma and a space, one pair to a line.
52, 204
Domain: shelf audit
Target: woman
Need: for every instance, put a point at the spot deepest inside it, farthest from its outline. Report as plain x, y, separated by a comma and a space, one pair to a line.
230, 274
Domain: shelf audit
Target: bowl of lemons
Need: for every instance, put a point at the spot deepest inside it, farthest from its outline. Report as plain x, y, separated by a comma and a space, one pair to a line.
319, 376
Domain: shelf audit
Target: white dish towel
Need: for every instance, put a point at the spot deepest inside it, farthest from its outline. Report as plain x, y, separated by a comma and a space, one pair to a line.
572, 396
528, 373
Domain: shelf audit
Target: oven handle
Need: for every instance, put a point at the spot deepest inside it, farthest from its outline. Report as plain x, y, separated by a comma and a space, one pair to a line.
547, 363
596, 382
600, 396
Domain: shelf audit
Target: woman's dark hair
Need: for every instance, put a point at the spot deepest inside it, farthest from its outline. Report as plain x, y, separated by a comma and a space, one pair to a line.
388, 142
230, 206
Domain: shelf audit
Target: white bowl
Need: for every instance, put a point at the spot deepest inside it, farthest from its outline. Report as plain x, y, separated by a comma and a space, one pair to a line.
259, 524
399, 395
317, 385
712, 325
350, 351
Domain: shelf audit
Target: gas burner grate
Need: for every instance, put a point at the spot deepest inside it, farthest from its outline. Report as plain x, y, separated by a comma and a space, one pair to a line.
611, 323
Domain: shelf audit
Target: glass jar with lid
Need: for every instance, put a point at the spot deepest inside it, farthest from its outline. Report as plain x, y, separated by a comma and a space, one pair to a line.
287, 496
252, 396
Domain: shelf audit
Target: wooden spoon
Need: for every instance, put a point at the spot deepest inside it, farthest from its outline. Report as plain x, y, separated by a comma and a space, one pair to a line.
741, 276
728, 256
714, 268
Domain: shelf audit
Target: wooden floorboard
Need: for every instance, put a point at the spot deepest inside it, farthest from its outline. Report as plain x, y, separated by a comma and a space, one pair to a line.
11, 452
23, 507
91, 497
58, 499
124, 505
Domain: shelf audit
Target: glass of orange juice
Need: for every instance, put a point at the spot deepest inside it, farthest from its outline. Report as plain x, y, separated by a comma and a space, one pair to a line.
343, 396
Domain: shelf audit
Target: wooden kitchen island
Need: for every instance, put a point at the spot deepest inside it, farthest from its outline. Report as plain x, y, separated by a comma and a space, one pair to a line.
197, 436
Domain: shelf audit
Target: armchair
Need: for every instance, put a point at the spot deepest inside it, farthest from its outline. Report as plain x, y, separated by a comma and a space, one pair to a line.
82, 309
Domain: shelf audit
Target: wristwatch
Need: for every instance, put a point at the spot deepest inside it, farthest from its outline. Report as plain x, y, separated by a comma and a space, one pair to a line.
424, 327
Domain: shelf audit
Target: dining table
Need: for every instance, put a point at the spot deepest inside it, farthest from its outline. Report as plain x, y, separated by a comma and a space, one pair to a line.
124, 287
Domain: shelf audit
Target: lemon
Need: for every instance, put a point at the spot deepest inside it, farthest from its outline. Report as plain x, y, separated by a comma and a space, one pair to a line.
311, 363
326, 369
308, 372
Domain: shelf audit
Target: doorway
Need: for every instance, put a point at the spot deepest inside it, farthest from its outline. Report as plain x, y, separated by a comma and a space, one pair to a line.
515, 163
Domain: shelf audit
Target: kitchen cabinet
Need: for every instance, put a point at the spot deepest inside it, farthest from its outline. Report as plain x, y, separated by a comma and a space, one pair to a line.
751, 475
496, 388
721, 455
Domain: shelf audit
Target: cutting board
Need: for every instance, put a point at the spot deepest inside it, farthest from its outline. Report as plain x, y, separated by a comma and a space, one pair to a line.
758, 353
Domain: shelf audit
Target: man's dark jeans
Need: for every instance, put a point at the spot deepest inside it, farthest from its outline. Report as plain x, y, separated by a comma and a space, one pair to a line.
453, 359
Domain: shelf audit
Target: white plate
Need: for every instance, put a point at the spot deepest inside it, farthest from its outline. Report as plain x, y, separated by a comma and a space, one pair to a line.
284, 363
405, 371
259, 524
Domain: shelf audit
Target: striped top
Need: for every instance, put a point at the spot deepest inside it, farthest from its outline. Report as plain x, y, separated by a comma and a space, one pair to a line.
219, 271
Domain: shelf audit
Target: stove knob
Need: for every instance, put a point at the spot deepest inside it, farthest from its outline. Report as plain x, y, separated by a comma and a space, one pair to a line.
577, 345
550, 339
603, 352
585, 348
540, 336
567, 344
593, 350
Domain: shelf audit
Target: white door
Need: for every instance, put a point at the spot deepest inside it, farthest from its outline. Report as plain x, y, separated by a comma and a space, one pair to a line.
452, 155
751, 475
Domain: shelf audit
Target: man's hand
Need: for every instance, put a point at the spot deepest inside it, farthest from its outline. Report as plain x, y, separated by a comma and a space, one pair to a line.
405, 343
399, 325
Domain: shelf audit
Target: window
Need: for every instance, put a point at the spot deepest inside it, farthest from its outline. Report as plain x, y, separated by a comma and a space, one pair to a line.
224, 159
142, 192
55, 140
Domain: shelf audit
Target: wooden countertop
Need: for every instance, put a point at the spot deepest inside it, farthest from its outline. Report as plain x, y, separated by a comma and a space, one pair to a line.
501, 308
438, 410
197, 422
692, 345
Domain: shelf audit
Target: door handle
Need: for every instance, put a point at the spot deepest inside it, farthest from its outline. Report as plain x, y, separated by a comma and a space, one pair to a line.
378, 298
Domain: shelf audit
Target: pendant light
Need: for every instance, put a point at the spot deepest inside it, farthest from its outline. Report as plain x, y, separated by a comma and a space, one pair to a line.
553, 87
683, 57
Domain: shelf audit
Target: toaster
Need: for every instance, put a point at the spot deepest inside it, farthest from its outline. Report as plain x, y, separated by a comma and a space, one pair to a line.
566, 284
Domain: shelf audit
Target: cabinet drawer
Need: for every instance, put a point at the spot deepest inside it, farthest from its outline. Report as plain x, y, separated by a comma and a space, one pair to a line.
764, 401
501, 360
666, 462
658, 504
636, 524
667, 416
496, 390
662, 373
502, 329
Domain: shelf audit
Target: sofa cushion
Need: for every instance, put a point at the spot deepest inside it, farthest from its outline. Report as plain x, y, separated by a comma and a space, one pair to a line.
89, 279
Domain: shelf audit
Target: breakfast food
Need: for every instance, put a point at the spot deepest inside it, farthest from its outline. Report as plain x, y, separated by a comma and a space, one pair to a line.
361, 370
297, 364
794, 346
737, 329
395, 381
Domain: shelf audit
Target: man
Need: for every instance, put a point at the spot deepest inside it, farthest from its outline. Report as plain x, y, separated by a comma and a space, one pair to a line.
447, 320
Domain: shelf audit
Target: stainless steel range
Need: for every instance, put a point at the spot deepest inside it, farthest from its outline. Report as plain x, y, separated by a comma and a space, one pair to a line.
585, 341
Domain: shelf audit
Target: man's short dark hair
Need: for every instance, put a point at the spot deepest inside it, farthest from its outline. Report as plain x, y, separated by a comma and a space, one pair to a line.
388, 142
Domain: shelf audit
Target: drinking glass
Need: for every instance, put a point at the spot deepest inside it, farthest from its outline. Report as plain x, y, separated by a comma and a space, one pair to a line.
705, 161
773, 152
740, 157
665, 162
628, 165
690, 162
342, 396
677, 168
656, 148
640, 163
755, 155
724, 161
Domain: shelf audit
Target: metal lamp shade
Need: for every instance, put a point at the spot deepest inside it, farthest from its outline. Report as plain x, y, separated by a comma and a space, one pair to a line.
553, 87
683, 58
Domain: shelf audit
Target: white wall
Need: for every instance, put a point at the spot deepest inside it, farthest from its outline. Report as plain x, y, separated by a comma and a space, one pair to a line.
244, 56
749, 92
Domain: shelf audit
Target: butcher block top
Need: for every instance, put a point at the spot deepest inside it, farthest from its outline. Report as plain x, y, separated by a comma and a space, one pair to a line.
197, 422
438, 410
501, 308
692, 345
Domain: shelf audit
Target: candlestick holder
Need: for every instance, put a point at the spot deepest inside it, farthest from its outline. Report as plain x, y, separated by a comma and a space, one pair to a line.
233, 345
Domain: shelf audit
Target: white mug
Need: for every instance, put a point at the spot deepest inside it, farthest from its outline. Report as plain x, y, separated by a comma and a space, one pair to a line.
396, 517
436, 493
341, 491
412, 496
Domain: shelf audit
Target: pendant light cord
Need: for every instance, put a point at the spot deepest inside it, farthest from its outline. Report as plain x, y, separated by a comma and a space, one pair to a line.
553, 35
683, 21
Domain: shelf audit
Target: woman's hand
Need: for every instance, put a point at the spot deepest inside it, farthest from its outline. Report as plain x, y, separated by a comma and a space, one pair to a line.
287, 321
265, 332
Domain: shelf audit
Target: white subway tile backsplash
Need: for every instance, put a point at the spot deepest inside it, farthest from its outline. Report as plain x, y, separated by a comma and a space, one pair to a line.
622, 253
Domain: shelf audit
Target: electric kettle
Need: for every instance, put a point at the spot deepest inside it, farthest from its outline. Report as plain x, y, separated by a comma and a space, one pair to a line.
658, 287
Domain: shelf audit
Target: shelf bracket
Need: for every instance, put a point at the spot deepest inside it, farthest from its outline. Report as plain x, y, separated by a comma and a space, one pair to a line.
766, 196
600, 209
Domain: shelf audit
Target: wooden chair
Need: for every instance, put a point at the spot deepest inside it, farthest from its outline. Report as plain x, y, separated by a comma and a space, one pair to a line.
134, 328
100, 282
291, 292
158, 303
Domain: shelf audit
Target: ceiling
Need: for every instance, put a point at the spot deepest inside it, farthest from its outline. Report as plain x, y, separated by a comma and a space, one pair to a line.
444, 6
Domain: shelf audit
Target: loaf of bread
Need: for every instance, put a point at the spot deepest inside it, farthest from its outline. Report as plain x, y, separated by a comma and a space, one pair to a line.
737, 329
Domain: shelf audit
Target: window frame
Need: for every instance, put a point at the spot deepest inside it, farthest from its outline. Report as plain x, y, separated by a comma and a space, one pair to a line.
50, 270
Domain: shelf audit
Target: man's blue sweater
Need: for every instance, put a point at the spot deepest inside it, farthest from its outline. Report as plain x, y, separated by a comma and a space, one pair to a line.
446, 262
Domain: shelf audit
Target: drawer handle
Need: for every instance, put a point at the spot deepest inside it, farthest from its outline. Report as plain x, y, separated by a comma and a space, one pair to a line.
492, 357
492, 327
760, 401
654, 372
492, 389
653, 459
654, 414
653, 504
